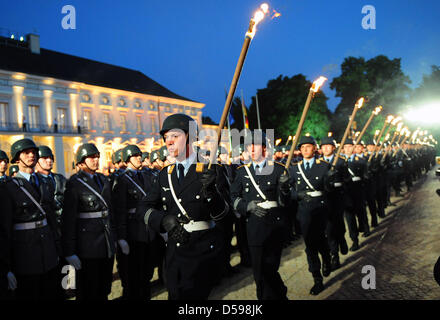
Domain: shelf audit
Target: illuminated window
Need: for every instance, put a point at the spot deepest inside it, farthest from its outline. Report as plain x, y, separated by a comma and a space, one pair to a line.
87, 116
34, 116
139, 123
3, 115
107, 124
61, 118
123, 123
153, 124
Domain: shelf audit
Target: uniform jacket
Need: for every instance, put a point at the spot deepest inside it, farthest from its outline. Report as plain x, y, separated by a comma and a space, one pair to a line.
87, 238
31, 251
273, 226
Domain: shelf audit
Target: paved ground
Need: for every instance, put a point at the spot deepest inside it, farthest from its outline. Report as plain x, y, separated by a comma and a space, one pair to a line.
403, 250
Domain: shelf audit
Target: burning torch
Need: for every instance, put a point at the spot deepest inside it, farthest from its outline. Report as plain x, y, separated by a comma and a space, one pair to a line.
357, 106
385, 124
258, 17
375, 112
315, 87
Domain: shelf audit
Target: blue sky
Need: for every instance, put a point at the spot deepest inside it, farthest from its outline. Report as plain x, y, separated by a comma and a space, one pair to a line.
191, 47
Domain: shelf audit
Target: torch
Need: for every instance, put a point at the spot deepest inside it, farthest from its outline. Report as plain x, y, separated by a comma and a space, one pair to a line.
393, 122
406, 136
258, 17
357, 106
375, 112
288, 139
315, 87
396, 133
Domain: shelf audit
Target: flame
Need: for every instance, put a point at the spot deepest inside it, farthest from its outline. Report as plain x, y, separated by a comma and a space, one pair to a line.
329, 134
396, 120
387, 137
258, 17
318, 83
275, 14
360, 102
390, 118
408, 133
290, 138
377, 132
357, 133
277, 142
399, 126
425, 132
377, 110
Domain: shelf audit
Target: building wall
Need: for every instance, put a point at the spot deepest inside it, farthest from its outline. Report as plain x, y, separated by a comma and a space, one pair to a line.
22, 91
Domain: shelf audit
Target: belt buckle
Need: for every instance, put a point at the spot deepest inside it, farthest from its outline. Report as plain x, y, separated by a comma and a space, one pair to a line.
104, 213
38, 224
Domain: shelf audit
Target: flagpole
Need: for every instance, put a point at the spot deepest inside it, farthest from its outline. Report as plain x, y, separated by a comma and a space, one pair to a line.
242, 110
258, 111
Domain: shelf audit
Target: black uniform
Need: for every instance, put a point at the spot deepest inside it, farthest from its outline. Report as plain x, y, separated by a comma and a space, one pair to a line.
88, 232
128, 190
312, 211
32, 238
267, 234
193, 267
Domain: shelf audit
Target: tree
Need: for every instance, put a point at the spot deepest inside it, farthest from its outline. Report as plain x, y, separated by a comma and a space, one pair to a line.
380, 80
208, 120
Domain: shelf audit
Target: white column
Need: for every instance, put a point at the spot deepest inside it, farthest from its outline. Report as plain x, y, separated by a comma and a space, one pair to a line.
73, 106
48, 109
59, 154
17, 105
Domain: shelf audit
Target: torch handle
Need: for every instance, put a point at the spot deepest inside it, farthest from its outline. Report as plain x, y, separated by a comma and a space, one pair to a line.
299, 129
378, 140
380, 148
391, 144
404, 140
231, 93
364, 129
350, 122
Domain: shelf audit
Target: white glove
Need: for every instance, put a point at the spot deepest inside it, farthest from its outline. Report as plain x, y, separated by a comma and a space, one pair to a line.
74, 261
12, 282
124, 246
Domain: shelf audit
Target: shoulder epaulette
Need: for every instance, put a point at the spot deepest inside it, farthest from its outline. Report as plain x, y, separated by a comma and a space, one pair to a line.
323, 160
172, 165
356, 158
280, 163
199, 167
246, 164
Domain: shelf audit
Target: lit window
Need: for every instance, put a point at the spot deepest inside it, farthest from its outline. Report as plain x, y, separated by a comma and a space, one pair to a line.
87, 116
107, 126
61, 118
139, 123
34, 116
153, 124
123, 123
3, 114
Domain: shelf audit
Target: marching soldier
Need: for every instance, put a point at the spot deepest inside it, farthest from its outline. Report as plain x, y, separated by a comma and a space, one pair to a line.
311, 181
260, 192
335, 230
146, 164
134, 239
31, 229
4, 160
87, 227
185, 203
119, 166
354, 187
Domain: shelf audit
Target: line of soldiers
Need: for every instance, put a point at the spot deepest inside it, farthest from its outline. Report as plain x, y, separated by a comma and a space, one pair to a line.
172, 210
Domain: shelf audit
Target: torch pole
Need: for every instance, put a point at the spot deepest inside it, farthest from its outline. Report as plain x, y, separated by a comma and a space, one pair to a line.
404, 140
298, 130
380, 148
258, 111
378, 139
232, 88
365, 128
347, 130
391, 144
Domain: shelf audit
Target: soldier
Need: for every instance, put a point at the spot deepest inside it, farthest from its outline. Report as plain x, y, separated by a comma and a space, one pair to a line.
31, 229
87, 227
311, 181
376, 179
156, 161
4, 160
354, 188
134, 239
146, 164
260, 192
119, 166
185, 203
335, 230
13, 170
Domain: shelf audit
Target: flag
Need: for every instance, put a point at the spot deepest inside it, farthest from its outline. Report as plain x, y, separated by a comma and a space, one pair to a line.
231, 118
245, 117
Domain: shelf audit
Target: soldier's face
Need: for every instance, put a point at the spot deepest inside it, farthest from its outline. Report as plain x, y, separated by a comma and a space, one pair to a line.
92, 162
175, 141
327, 150
257, 152
146, 163
359, 149
308, 150
3, 166
136, 161
371, 148
348, 148
29, 157
46, 163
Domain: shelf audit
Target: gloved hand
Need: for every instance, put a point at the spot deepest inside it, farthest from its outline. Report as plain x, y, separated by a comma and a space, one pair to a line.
254, 208
303, 196
125, 248
175, 230
284, 182
208, 182
12, 281
74, 261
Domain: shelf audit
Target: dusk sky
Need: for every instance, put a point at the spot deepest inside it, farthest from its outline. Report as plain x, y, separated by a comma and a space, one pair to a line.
191, 47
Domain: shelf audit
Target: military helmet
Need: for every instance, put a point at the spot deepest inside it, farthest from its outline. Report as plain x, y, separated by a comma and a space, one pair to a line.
328, 140
13, 169
129, 151
85, 150
21, 145
349, 141
163, 153
154, 155
45, 151
306, 140
4, 156
117, 156
178, 121
145, 155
